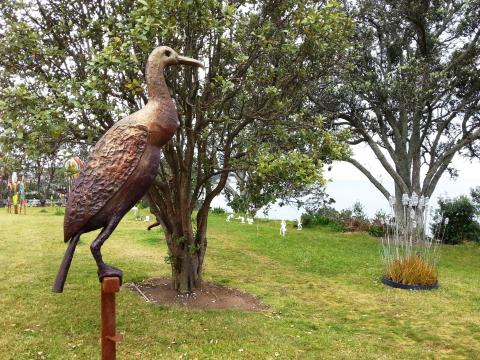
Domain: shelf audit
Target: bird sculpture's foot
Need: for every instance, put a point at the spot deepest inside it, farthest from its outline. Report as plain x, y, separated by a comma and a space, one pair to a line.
109, 271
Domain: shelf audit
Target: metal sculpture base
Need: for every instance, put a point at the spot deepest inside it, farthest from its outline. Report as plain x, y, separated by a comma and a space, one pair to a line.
109, 338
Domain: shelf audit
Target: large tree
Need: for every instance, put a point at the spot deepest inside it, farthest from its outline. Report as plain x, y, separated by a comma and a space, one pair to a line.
245, 112
412, 90
30, 140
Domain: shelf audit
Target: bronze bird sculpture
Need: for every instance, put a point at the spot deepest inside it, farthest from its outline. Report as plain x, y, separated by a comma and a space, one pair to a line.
121, 167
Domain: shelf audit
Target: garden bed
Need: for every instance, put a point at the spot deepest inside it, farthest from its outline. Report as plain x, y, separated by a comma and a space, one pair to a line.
210, 296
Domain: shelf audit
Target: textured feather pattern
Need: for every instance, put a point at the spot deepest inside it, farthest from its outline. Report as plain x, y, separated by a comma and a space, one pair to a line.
113, 160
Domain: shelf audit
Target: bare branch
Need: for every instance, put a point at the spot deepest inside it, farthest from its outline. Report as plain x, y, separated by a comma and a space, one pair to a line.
370, 177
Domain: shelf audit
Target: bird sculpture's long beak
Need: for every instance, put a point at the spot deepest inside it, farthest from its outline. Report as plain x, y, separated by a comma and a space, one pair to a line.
189, 61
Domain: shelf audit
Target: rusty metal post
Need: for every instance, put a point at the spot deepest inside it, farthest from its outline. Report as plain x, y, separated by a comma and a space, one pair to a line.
109, 287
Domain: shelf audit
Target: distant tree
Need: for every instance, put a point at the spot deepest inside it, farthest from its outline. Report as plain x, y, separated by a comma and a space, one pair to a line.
461, 224
475, 195
358, 212
252, 190
412, 92
83, 68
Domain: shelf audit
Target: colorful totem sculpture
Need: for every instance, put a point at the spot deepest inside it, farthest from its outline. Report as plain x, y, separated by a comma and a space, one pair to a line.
21, 195
9, 196
16, 195
73, 167
15, 192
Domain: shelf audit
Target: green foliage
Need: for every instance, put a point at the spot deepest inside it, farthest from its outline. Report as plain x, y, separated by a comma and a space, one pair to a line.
59, 211
475, 196
169, 259
312, 220
358, 212
248, 111
180, 240
378, 224
142, 205
325, 216
353, 219
462, 225
376, 231
217, 211
408, 59
88, 72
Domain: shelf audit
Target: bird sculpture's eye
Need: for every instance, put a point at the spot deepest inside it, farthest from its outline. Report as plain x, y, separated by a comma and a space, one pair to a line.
167, 53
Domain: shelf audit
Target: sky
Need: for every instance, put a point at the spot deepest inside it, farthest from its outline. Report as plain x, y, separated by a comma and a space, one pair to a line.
348, 185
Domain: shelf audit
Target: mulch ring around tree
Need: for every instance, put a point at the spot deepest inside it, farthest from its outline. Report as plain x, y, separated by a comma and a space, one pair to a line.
210, 296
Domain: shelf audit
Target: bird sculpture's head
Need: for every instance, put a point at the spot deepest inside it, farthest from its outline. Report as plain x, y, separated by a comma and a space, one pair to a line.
164, 56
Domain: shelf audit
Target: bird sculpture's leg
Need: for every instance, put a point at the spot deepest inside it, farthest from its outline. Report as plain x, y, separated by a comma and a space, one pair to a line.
105, 270
153, 225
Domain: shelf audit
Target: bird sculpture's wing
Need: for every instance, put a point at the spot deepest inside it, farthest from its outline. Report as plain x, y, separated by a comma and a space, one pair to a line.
114, 158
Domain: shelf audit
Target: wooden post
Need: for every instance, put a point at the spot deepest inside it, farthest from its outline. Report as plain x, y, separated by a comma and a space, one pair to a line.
109, 287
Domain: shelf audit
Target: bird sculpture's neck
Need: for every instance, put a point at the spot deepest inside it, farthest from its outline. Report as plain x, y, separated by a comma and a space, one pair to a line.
164, 123
157, 88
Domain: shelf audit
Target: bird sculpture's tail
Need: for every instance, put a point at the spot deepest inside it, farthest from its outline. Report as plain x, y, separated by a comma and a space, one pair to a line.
67, 260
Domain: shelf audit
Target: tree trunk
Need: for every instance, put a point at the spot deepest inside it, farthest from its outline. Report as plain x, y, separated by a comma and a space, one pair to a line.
186, 273
398, 204
186, 245
186, 261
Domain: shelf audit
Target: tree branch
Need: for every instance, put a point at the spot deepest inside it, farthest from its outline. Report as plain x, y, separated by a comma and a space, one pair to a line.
370, 177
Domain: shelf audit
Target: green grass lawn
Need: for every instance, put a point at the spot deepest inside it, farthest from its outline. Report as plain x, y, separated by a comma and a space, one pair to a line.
322, 291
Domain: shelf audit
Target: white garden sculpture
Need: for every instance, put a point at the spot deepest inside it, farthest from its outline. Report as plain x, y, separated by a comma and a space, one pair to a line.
283, 228
299, 223
136, 213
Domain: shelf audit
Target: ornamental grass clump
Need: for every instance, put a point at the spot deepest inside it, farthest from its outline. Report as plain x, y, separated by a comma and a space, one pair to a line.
410, 255
412, 270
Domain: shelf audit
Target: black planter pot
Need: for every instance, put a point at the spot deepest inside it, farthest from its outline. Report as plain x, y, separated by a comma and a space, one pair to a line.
398, 285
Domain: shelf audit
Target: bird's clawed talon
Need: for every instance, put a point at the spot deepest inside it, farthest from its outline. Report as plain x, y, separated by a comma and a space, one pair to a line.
109, 271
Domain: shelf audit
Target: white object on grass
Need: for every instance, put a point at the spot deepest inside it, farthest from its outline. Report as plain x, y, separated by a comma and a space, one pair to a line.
283, 228
135, 212
299, 223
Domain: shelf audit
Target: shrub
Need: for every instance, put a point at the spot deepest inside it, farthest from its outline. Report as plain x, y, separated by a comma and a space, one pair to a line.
354, 225
379, 224
475, 196
353, 219
217, 210
376, 230
461, 224
312, 219
357, 212
142, 204
59, 211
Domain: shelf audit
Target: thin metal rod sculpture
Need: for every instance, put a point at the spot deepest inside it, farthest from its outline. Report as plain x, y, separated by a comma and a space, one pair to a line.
109, 287
121, 167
